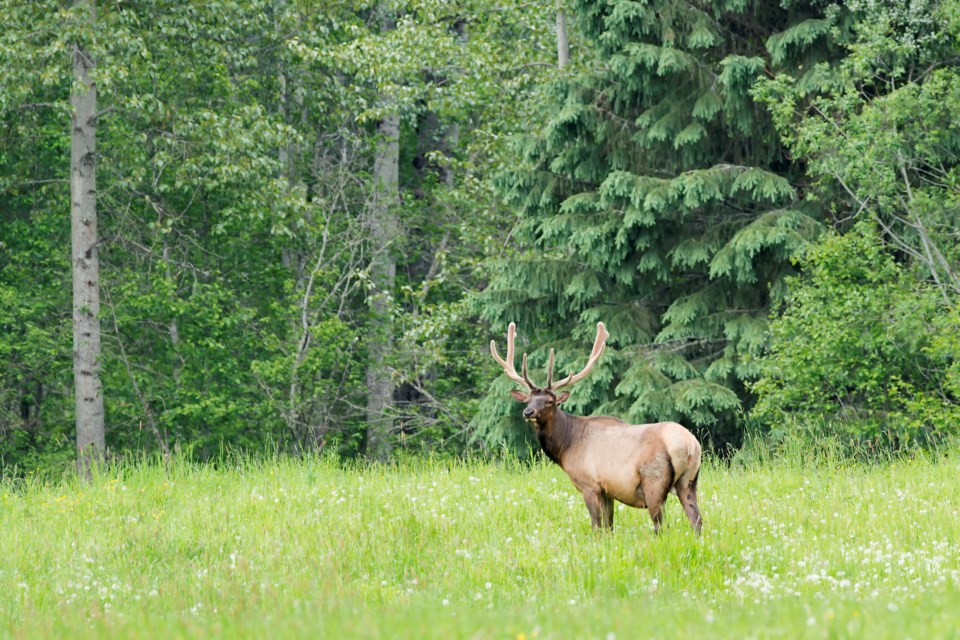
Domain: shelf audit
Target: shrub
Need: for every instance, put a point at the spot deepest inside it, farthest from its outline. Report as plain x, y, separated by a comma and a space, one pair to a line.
860, 349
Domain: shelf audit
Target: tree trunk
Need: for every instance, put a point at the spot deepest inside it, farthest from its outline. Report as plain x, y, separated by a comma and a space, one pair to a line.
383, 269
563, 45
86, 268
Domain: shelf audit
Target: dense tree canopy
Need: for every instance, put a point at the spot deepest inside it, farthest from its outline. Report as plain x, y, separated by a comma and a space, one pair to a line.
658, 197
264, 285
236, 145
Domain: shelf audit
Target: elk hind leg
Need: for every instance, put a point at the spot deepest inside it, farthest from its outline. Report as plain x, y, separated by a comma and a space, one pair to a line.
656, 491
686, 489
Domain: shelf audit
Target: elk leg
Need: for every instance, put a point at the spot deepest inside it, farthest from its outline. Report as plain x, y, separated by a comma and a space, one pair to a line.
593, 506
689, 500
600, 508
656, 514
606, 505
687, 492
656, 490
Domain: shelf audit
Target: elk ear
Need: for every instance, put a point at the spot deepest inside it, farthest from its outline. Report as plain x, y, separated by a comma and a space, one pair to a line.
562, 397
520, 396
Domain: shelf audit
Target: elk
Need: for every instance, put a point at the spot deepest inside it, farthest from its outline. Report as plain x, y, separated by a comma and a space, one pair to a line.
606, 458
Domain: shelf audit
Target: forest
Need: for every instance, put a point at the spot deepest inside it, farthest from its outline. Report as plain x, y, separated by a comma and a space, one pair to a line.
295, 226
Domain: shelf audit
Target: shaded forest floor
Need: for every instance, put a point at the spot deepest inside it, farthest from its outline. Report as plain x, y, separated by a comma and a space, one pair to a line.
429, 549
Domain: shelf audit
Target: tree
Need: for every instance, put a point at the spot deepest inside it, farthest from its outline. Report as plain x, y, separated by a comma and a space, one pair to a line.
384, 229
851, 352
863, 348
36, 378
190, 207
88, 388
450, 75
563, 41
235, 183
52, 92
657, 197
879, 131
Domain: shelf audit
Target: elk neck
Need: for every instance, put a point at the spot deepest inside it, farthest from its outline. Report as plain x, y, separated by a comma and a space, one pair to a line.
558, 433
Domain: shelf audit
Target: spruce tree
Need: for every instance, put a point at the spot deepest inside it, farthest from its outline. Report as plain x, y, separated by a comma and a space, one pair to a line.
656, 197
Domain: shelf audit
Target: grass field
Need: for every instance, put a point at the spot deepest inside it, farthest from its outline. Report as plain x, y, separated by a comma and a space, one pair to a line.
312, 548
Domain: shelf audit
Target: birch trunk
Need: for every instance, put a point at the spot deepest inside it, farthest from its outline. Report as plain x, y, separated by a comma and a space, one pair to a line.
86, 269
384, 228
563, 44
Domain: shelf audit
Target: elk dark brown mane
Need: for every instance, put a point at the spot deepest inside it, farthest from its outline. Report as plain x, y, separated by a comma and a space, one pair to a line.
606, 458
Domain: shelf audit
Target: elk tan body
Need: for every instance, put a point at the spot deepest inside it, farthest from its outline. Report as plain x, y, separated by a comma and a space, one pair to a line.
606, 458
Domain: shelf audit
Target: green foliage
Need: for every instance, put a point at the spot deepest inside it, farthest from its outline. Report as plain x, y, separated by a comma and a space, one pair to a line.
657, 198
879, 130
854, 350
234, 184
861, 351
644, 185
36, 405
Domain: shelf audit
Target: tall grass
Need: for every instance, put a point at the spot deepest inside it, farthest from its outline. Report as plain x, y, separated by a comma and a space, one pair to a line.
435, 549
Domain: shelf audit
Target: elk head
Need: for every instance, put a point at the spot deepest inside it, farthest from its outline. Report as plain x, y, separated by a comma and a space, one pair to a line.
541, 401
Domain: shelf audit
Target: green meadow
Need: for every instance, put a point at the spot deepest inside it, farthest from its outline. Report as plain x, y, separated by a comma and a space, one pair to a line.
292, 548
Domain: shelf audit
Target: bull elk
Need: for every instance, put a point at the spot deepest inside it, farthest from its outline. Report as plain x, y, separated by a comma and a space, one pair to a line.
606, 458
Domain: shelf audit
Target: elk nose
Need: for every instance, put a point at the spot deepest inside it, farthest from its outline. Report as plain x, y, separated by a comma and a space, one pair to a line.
528, 413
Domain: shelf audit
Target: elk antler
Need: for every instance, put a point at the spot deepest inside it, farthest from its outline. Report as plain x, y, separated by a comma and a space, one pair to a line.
507, 364
598, 346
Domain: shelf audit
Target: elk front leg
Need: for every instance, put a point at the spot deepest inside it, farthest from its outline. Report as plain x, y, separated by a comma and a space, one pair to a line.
600, 507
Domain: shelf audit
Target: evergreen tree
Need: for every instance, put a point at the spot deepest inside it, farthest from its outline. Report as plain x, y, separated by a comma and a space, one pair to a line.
879, 131
657, 197
864, 348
